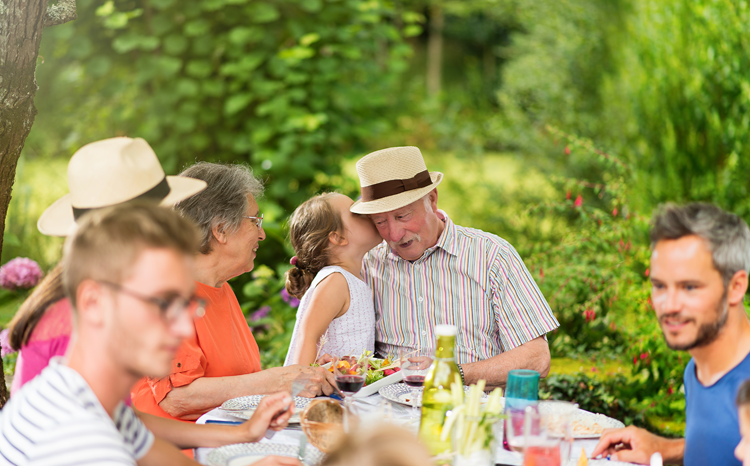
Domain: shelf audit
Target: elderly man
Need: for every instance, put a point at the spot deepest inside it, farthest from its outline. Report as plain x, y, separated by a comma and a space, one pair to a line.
699, 271
430, 271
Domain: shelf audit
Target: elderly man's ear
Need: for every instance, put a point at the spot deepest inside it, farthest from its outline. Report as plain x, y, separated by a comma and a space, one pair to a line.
336, 239
433, 197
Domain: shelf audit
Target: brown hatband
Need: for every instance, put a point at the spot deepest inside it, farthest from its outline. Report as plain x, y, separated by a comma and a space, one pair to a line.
393, 187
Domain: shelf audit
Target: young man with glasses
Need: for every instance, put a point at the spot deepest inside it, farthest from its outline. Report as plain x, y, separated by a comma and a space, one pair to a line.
128, 274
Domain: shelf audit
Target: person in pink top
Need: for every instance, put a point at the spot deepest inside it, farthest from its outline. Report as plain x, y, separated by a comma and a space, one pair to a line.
100, 174
41, 329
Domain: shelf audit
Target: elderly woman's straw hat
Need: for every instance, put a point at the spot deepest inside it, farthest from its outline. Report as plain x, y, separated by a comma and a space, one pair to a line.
393, 178
110, 172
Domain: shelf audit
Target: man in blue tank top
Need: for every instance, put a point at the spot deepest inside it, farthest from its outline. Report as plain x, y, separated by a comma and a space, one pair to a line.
699, 275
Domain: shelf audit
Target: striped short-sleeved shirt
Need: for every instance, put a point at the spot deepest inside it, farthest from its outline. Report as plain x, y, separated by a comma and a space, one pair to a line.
56, 419
471, 279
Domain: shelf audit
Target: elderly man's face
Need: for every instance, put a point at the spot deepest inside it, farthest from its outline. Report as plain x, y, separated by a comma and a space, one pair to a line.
688, 293
412, 229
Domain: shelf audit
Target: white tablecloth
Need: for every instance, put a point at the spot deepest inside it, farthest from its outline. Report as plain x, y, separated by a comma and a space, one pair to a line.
369, 412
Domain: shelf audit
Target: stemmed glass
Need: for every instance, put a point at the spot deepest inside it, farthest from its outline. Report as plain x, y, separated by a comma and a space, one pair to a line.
414, 365
350, 373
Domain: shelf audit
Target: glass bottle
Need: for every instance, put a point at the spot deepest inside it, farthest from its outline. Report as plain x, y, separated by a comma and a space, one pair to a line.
436, 399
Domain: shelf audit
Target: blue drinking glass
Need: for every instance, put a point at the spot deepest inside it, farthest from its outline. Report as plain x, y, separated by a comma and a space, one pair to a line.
521, 390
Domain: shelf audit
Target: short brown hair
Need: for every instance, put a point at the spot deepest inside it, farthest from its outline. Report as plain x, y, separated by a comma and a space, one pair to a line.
726, 234
309, 228
109, 241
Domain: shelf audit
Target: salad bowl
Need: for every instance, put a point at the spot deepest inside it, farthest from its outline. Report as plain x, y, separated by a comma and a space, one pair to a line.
376, 377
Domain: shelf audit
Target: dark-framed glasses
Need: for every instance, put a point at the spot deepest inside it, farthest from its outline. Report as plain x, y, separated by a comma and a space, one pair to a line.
258, 221
169, 308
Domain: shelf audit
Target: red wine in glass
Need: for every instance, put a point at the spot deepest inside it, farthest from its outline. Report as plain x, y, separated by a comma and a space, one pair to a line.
350, 383
414, 380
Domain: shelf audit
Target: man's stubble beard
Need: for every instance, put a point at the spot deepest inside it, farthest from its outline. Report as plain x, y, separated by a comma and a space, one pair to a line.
707, 333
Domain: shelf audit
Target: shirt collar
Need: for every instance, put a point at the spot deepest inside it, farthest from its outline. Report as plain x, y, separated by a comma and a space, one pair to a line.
446, 242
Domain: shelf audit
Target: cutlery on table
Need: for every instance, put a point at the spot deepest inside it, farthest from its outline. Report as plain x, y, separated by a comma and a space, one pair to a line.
298, 386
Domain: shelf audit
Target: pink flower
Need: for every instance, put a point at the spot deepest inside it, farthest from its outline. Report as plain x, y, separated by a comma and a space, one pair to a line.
289, 299
5, 348
567, 150
261, 313
20, 272
579, 201
614, 212
647, 272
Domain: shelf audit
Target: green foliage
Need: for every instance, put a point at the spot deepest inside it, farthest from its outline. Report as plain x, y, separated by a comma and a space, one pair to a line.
273, 331
686, 71
593, 395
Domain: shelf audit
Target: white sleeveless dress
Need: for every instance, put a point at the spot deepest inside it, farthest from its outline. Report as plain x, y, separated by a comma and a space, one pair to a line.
350, 334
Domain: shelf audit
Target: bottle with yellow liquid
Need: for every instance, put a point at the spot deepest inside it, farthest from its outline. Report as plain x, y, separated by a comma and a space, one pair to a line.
436, 398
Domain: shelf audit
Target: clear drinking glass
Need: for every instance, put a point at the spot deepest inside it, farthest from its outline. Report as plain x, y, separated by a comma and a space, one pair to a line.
542, 432
350, 373
414, 365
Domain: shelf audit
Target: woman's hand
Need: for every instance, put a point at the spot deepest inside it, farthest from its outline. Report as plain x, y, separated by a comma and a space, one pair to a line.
273, 413
278, 461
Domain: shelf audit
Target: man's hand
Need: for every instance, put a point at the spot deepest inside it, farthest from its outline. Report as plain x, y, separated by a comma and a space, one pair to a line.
323, 360
635, 445
273, 412
318, 381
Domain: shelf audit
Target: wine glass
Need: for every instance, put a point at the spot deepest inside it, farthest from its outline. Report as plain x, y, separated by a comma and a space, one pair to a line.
414, 365
350, 373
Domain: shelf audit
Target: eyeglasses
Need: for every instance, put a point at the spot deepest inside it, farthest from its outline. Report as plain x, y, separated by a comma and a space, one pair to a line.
170, 309
258, 221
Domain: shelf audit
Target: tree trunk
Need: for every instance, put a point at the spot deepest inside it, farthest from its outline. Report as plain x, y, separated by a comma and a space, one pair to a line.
435, 50
21, 25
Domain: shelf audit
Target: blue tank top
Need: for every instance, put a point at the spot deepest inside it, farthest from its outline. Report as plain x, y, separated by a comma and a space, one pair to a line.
712, 429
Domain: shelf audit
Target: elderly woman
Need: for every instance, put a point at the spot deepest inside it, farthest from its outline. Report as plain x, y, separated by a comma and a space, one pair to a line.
222, 361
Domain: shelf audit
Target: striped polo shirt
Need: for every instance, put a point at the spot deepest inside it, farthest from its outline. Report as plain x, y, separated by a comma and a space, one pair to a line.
56, 419
471, 279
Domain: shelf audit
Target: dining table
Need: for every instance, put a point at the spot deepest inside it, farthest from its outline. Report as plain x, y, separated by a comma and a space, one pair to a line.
376, 409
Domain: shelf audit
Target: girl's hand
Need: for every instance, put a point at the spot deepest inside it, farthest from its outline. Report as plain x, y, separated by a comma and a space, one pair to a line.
325, 359
270, 414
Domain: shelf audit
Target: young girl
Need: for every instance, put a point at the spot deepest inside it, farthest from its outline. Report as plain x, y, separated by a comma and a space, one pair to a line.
330, 243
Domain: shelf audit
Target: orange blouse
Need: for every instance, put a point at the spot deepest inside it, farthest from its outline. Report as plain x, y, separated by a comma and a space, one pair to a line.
222, 346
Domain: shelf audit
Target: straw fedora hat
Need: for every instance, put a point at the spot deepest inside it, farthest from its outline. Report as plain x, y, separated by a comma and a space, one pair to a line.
393, 178
110, 172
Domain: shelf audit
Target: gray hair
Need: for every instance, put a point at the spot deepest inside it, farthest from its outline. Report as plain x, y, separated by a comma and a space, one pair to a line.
727, 235
223, 202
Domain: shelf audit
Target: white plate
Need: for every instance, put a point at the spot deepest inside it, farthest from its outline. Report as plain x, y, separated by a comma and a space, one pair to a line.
242, 454
585, 420
373, 388
243, 407
401, 393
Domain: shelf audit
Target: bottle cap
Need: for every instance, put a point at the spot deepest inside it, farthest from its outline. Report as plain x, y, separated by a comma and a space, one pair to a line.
445, 330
